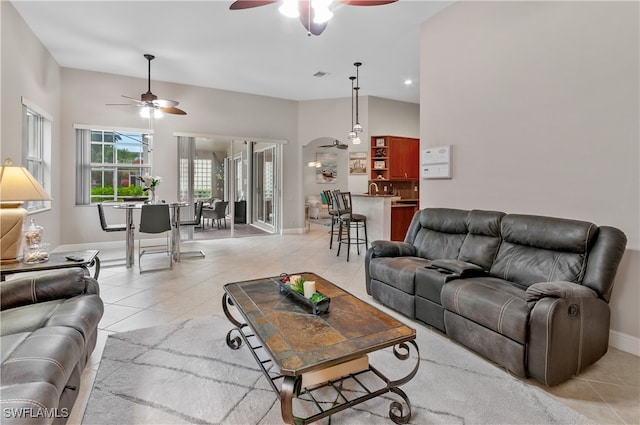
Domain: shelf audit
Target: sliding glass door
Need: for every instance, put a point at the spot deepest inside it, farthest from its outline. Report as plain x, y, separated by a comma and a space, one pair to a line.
266, 193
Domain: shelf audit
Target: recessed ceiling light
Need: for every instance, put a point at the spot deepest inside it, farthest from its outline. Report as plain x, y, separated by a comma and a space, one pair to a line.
408, 82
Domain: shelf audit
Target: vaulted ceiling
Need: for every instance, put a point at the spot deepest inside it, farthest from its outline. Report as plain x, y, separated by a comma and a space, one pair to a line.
257, 51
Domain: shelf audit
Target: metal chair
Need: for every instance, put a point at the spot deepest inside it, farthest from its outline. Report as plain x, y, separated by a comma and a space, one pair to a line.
109, 227
349, 221
196, 222
155, 219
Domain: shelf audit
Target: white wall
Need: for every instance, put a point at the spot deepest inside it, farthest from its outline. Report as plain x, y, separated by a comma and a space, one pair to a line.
28, 71
540, 102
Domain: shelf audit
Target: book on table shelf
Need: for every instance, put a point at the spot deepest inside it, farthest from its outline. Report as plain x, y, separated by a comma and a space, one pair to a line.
331, 373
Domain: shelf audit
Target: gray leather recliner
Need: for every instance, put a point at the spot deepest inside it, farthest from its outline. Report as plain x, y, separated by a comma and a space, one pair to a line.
48, 329
530, 293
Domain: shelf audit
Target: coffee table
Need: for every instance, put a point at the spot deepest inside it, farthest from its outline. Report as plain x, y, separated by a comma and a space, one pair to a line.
291, 344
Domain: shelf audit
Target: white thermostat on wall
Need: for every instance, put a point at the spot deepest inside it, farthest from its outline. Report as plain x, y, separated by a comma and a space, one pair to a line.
436, 162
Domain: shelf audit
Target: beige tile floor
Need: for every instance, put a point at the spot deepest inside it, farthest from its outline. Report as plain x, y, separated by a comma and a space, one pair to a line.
608, 392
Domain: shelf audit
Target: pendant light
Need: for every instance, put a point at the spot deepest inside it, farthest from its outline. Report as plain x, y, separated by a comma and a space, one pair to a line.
352, 134
357, 127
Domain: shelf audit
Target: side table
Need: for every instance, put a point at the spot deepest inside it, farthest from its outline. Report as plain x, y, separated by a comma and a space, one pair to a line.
57, 260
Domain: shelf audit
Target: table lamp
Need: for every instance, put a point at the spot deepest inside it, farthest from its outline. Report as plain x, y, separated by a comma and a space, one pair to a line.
16, 186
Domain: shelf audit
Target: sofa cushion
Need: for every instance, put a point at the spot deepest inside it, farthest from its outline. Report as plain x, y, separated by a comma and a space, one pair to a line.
27, 318
493, 303
438, 232
481, 244
542, 249
398, 272
37, 396
47, 355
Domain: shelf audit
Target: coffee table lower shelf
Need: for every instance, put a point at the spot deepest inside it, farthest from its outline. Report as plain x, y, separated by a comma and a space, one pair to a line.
345, 392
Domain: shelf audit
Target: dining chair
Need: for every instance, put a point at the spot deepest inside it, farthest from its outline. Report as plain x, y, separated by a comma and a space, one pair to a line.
350, 221
109, 227
217, 213
195, 222
155, 219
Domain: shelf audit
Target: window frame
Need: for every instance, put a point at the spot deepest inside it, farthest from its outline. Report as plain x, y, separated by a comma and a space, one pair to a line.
86, 167
37, 136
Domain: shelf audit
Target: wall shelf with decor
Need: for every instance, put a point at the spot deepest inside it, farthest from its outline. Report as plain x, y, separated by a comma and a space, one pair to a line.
395, 158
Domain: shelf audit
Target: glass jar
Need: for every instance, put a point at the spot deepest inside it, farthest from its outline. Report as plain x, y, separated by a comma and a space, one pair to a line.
32, 234
34, 254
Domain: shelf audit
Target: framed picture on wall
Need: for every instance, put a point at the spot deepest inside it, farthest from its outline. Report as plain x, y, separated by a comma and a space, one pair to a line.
357, 163
328, 170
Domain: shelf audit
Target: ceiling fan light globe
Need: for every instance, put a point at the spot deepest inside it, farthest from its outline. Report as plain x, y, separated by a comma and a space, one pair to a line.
321, 12
145, 112
157, 113
289, 9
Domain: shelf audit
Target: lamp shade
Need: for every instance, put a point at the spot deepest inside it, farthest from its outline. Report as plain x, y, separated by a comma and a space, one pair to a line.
17, 184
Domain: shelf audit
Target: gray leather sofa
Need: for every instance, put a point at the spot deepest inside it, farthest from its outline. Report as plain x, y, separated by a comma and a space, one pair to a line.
530, 293
48, 329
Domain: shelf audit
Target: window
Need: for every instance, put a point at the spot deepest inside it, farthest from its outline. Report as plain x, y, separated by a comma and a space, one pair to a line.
202, 178
36, 147
115, 161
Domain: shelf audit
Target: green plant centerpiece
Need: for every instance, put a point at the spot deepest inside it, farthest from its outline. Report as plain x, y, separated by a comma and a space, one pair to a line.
295, 285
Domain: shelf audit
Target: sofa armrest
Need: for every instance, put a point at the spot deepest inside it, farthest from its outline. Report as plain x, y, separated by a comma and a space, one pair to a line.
44, 286
559, 289
461, 268
383, 248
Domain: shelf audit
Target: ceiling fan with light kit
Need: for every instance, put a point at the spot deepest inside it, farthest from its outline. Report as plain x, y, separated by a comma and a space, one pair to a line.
149, 103
336, 144
314, 14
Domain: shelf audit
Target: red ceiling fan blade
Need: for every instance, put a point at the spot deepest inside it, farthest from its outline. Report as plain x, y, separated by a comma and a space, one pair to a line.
248, 4
306, 18
367, 2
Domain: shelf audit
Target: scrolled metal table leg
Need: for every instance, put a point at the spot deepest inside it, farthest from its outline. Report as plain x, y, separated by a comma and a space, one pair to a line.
226, 302
234, 342
288, 391
403, 352
396, 409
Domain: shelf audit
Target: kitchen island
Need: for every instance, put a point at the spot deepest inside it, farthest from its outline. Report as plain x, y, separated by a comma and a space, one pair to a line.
388, 216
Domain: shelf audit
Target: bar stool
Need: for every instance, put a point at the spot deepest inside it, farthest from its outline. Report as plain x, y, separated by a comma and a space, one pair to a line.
349, 221
333, 212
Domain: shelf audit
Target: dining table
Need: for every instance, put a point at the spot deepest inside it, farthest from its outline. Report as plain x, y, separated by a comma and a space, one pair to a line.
129, 207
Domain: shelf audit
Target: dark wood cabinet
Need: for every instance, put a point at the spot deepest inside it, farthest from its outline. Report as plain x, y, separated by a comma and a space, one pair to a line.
400, 220
394, 158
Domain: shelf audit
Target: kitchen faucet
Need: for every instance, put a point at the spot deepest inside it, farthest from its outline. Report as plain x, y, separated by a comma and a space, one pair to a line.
376, 186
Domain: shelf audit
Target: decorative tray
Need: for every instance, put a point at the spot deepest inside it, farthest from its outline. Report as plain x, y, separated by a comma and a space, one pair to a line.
318, 304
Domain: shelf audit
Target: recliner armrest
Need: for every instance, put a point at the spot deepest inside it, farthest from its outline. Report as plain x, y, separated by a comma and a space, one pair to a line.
44, 286
382, 248
559, 289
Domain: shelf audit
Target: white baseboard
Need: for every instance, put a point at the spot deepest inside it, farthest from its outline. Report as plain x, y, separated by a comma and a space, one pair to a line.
624, 342
294, 231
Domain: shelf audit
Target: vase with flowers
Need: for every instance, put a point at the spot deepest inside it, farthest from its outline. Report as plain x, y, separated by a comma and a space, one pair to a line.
149, 185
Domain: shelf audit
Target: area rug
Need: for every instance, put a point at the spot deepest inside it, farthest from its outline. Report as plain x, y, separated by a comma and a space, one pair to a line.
184, 373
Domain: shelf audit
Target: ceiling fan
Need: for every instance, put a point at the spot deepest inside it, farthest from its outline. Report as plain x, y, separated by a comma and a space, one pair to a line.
314, 14
335, 144
149, 102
